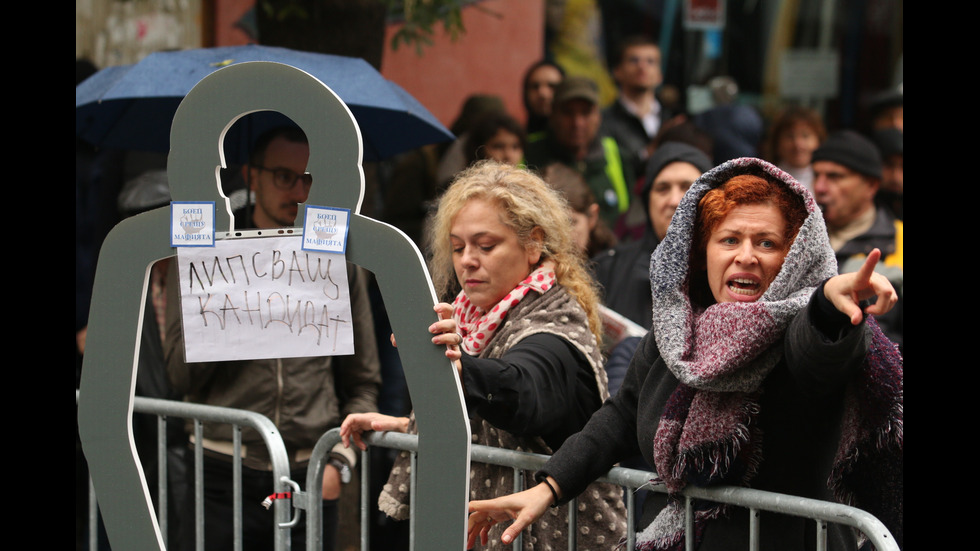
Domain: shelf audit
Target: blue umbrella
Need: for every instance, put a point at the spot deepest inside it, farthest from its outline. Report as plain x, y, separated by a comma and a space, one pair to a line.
132, 106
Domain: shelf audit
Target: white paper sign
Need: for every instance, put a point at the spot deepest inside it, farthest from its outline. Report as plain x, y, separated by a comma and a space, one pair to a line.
263, 298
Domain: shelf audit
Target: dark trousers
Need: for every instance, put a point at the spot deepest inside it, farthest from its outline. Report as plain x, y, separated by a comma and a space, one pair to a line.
258, 523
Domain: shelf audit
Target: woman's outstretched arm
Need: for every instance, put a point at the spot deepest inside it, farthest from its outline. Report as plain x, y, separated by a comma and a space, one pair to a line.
358, 423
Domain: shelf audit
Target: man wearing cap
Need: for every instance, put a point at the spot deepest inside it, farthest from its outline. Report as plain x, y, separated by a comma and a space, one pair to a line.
573, 139
624, 272
847, 172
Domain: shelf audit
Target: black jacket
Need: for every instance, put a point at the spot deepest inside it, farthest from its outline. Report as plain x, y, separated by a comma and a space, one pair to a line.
800, 416
624, 275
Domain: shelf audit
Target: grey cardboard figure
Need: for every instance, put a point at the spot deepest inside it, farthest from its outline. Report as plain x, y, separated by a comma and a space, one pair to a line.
109, 369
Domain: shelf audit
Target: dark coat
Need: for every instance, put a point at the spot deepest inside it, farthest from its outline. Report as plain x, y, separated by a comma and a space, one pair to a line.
624, 275
800, 413
628, 131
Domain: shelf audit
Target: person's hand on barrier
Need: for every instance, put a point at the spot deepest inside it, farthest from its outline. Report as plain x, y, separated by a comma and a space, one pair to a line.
523, 507
357, 424
446, 334
846, 291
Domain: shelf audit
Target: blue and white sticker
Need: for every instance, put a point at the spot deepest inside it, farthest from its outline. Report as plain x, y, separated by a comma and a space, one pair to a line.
192, 224
325, 229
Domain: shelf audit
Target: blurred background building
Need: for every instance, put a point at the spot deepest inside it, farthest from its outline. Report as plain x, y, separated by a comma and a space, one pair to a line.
830, 55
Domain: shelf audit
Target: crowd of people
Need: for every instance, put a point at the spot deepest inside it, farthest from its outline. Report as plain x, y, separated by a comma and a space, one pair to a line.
749, 253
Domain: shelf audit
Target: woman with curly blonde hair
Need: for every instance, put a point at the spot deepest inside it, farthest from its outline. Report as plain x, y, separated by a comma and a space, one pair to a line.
523, 332
532, 210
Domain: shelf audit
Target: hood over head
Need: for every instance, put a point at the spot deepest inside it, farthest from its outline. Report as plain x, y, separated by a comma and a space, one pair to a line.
809, 261
670, 152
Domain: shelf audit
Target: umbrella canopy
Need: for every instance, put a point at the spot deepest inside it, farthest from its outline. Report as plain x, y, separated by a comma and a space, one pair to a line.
132, 106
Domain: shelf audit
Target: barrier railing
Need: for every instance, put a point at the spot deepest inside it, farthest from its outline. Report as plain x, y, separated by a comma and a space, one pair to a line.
213, 414
821, 512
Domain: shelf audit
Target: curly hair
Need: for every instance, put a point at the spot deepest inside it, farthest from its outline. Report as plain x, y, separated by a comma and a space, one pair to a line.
528, 206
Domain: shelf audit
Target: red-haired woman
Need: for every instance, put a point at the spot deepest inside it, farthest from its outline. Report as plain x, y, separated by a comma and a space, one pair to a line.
751, 375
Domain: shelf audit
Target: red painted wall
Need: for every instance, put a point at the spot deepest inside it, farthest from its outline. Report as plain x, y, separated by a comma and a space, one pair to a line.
502, 39
227, 14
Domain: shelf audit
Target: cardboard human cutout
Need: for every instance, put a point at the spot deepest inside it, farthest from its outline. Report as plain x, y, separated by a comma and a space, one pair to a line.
196, 157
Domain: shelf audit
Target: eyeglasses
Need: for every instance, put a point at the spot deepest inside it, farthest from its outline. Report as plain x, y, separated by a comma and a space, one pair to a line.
285, 179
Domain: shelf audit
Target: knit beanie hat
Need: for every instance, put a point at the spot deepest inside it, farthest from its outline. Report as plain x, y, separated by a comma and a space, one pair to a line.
671, 152
850, 149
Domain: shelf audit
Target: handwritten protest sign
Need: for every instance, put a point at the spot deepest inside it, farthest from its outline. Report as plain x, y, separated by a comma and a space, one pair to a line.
263, 298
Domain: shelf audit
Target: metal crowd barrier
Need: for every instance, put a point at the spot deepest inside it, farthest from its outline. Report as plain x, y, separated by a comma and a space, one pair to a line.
821, 512
212, 414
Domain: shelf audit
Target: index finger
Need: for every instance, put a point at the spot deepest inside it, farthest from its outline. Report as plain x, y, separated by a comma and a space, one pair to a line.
868, 268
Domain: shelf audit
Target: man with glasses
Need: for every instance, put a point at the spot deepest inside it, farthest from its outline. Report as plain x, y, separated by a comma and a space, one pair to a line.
276, 174
304, 397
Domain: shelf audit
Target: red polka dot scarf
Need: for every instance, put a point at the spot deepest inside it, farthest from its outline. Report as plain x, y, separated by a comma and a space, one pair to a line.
478, 327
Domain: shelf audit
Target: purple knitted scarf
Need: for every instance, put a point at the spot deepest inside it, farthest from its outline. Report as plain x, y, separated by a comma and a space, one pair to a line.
721, 356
